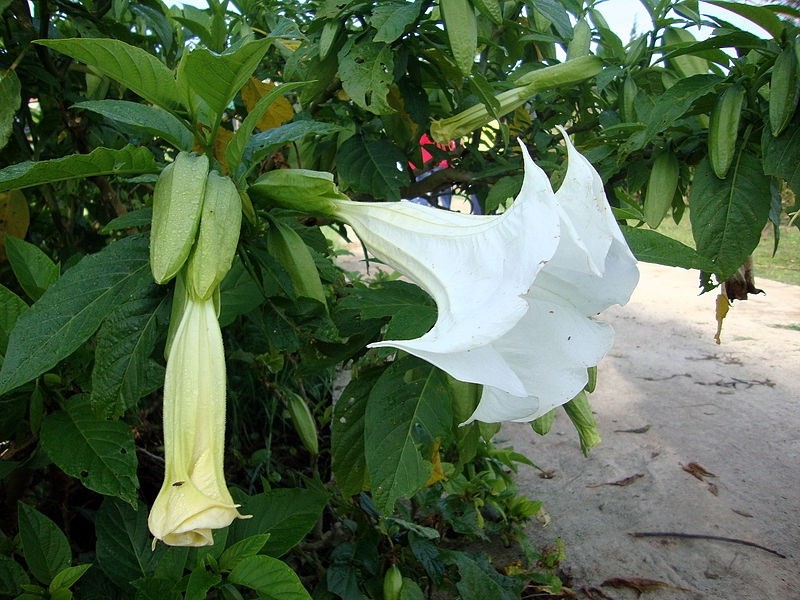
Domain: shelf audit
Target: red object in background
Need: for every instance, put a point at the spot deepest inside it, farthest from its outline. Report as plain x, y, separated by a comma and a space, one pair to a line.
427, 156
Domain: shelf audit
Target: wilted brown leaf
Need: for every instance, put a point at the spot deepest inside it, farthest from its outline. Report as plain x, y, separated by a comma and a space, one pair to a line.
695, 470
14, 217
640, 584
620, 483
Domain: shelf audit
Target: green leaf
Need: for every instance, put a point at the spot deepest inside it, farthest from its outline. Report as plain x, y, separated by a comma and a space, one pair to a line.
482, 582
404, 410
238, 143
123, 370
242, 549
151, 119
654, 247
373, 167
347, 431
271, 578
66, 578
216, 78
71, 309
670, 106
33, 268
782, 154
200, 582
12, 577
135, 218
390, 19
133, 67
124, 551
367, 70
265, 143
9, 103
129, 160
287, 514
100, 453
728, 215
11, 307
44, 545
761, 16
289, 249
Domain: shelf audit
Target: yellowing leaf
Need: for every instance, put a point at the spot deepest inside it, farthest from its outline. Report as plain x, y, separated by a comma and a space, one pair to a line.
437, 474
220, 145
14, 217
723, 306
279, 111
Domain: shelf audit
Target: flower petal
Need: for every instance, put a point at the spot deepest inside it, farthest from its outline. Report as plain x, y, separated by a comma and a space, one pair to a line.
193, 498
469, 264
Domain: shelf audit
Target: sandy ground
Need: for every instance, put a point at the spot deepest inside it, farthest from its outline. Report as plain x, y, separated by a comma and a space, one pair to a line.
669, 396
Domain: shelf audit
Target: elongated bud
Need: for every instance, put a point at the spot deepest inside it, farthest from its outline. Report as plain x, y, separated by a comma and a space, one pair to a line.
220, 224
392, 583
311, 192
177, 203
303, 421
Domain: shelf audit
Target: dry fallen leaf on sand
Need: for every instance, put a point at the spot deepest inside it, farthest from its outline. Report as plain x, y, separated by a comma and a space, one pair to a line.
620, 483
697, 471
640, 584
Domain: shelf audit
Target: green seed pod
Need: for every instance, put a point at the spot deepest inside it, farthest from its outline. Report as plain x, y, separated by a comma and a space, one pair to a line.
392, 583
627, 104
177, 203
783, 90
462, 32
303, 421
217, 238
490, 9
723, 129
661, 188
581, 40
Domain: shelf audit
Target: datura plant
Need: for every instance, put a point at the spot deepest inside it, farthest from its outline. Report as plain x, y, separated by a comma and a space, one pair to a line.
196, 222
516, 293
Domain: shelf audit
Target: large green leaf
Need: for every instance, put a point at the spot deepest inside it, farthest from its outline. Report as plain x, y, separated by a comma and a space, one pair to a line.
129, 160
372, 167
271, 578
100, 453
9, 103
347, 433
44, 545
654, 247
34, 270
11, 307
151, 119
480, 581
216, 78
390, 19
287, 514
124, 549
133, 67
405, 409
367, 71
728, 214
781, 155
12, 577
123, 370
72, 309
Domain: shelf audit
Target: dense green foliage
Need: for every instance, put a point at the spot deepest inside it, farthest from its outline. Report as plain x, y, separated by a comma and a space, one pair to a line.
96, 97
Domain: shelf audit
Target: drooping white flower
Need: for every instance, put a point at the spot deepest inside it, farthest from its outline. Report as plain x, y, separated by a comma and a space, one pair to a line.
194, 499
516, 293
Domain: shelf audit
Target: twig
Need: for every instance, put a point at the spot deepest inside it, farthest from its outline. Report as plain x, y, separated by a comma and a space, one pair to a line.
700, 536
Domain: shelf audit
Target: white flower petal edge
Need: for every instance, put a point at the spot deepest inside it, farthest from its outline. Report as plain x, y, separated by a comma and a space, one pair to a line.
557, 339
471, 267
194, 499
517, 292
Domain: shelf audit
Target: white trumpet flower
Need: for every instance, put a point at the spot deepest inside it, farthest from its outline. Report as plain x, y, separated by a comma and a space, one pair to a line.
516, 293
194, 499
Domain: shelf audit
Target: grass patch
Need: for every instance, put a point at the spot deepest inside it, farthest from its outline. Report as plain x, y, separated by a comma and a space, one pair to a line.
784, 266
